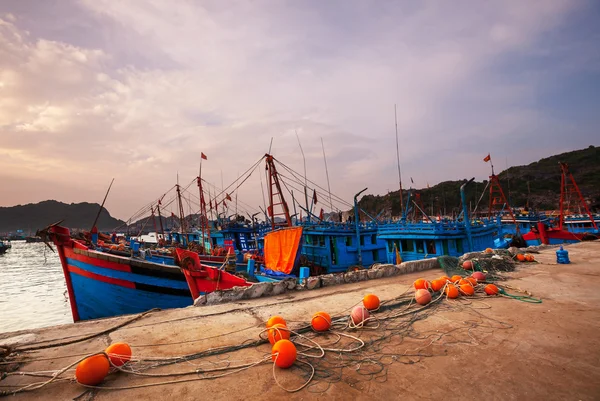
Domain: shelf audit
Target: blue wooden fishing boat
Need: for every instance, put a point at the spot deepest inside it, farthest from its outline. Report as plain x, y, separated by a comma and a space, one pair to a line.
325, 247
582, 224
109, 283
418, 240
339, 247
522, 222
415, 241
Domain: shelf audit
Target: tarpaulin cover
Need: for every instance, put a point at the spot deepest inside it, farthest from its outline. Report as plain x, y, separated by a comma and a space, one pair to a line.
281, 249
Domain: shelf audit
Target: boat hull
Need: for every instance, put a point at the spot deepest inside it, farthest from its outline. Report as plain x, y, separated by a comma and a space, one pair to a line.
103, 285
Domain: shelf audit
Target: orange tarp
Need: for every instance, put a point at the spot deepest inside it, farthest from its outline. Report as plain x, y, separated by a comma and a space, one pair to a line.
281, 247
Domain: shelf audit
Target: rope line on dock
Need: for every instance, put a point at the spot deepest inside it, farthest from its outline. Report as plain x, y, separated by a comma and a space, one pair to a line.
348, 352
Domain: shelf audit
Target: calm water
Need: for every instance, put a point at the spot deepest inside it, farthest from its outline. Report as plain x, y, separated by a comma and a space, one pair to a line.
32, 288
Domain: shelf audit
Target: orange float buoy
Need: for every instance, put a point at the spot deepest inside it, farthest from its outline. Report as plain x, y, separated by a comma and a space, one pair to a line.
491, 289
321, 321
451, 291
284, 353
278, 332
371, 302
119, 353
421, 284
359, 314
437, 285
529, 258
445, 278
472, 281
521, 257
91, 371
463, 281
489, 250
467, 265
467, 289
275, 320
455, 278
423, 297
479, 276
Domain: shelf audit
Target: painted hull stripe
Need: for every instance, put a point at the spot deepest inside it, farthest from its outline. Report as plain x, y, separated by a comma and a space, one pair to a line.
172, 273
96, 261
131, 277
128, 284
98, 277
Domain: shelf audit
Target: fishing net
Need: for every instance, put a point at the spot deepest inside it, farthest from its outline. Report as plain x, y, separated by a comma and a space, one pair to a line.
493, 264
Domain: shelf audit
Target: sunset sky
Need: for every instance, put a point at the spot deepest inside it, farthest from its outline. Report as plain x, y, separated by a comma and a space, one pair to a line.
136, 90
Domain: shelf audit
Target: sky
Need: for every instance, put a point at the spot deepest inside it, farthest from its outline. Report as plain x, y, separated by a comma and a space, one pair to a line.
92, 90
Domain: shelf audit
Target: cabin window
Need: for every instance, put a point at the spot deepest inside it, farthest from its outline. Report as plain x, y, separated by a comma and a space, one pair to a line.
308, 240
408, 245
431, 247
459, 246
348, 241
321, 240
362, 240
374, 239
375, 255
445, 247
420, 247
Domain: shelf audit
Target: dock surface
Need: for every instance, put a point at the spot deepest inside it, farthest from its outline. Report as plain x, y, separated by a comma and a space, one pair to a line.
493, 348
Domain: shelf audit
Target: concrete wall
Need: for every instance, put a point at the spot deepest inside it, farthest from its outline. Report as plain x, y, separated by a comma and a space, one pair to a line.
258, 290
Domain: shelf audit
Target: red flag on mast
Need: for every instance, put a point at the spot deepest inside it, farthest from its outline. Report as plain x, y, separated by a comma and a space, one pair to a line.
202, 155
315, 196
227, 196
487, 158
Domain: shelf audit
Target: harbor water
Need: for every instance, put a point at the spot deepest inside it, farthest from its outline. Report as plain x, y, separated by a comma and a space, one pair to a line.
33, 292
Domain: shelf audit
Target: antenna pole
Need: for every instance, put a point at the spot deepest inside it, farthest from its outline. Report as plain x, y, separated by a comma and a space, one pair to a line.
398, 160
305, 179
327, 174
102, 205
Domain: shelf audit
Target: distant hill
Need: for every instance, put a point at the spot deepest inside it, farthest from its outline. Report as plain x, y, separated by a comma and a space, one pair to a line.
542, 177
34, 216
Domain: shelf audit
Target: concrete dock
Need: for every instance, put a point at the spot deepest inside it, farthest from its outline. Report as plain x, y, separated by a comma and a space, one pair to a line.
494, 348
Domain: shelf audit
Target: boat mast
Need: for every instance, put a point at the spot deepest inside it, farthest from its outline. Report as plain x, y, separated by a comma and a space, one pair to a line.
204, 226
162, 231
497, 198
398, 160
305, 179
566, 189
181, 212
327, 174
274, 181
102, 205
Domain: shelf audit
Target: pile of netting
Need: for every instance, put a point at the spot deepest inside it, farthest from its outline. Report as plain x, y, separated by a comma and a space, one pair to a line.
492, 263
354, 345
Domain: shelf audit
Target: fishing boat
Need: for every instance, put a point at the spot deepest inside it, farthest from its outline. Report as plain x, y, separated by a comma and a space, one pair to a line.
4, 246
584, 224
521, 222
103, 284
417, 240
325, 247
335, 247
558, 232
203, 279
